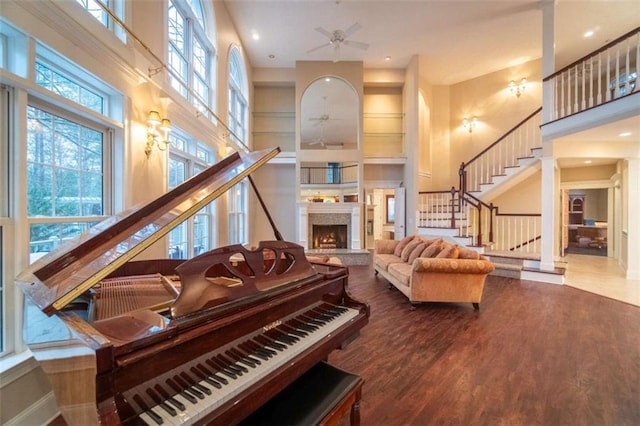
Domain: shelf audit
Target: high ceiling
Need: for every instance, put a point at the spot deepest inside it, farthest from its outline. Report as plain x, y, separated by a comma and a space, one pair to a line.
459, 39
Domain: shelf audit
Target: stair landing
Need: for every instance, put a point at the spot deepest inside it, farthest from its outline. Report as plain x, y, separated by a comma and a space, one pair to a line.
525, 266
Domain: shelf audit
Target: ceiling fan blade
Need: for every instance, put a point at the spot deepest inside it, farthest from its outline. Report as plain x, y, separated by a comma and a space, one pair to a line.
357, 44
352, 29
324, 32
318, 47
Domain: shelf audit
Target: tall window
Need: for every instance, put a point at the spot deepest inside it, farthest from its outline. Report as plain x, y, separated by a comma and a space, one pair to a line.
65, 178
238, 195
115, 6
238, 198
196, 234
190, 54
237, 96
5, 225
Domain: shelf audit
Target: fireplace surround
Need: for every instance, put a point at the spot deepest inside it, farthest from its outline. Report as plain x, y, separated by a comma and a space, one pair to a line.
346, 214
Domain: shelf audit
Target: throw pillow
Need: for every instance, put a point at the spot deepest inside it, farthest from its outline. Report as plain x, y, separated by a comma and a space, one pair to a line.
433, 249
449, 252
402, 244
406, 252
465, 253
416, 252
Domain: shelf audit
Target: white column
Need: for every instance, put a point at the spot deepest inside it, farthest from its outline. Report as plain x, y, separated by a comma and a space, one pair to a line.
548, 59
633, 221
356, 227
548, 201
303, 224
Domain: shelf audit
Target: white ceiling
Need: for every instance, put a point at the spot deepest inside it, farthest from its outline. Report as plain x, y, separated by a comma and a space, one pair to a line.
459, 39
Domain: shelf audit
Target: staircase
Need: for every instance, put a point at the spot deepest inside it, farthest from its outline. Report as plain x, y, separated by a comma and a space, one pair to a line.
458, 212
466, 215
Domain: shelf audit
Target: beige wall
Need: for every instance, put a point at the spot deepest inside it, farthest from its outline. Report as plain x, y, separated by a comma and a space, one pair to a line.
523, 198
579, 174
274, 181
488, 98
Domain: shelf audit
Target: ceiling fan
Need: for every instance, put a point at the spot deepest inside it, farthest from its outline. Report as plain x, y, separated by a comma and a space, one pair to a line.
338, 38
322, 119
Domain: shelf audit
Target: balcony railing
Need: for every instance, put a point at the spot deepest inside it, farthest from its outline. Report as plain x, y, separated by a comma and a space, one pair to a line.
328, 175
609, 73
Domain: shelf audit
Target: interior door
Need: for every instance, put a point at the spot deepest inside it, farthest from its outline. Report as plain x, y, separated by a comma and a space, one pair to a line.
398, 225
564, 202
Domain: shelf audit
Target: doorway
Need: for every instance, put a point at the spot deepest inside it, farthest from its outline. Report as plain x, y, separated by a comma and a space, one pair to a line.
587, 218
384, 215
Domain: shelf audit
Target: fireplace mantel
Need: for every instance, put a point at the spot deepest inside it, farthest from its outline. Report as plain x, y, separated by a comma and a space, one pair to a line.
329, 210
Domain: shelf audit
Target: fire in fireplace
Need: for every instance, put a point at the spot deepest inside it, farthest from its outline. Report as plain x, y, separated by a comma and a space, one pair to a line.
329, 236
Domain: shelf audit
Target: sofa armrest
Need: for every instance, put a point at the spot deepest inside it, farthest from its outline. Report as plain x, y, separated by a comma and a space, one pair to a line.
459, 266
385, 246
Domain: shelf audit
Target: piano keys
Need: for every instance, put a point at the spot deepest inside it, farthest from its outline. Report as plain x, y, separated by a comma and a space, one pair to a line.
187, 393
167, 341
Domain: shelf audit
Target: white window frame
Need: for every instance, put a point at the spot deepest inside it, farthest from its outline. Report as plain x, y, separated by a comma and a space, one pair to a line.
18, 75
116, 7
196, 156
195, 83
238, 105
7, 308
238, 197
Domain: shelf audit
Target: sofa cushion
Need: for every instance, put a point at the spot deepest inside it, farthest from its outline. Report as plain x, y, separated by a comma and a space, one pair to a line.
406, 252
465, 253
401, 272
433, 249
450, 251
416, 252
384, 260
402, 244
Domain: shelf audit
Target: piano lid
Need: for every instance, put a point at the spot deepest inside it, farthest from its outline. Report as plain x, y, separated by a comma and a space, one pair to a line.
59, 277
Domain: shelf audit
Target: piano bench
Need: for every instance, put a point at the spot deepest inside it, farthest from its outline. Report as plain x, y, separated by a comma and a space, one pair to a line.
319, 397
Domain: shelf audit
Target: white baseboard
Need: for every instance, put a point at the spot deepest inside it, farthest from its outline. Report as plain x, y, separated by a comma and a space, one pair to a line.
41, 412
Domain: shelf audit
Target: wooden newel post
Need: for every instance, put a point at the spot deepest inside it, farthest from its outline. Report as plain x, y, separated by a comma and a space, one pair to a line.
479, 239
453, 207
491, 208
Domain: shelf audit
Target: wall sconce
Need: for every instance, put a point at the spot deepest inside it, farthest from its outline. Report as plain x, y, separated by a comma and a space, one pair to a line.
518, 88
470, 124
157, 132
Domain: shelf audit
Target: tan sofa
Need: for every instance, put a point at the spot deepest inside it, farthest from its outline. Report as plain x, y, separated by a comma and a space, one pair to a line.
432, 269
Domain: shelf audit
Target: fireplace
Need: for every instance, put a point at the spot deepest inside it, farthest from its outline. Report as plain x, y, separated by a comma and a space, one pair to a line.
329, 236
346, 215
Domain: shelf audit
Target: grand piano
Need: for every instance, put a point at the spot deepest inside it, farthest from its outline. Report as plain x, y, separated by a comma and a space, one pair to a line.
207, 340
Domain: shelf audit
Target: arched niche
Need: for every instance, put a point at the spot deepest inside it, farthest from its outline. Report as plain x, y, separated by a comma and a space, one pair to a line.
329, 115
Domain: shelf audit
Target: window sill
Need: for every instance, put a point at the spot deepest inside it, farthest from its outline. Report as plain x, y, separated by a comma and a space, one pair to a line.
14, 366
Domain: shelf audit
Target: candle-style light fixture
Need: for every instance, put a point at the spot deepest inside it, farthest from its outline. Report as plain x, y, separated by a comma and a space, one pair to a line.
157, 132
518, 88
469, 125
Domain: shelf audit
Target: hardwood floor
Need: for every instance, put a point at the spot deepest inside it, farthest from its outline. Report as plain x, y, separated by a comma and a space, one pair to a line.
535, 354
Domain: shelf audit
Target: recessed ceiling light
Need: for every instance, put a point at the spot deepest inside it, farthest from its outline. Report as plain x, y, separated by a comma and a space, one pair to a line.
272, 56
387, 58
588, 34
588, 161
624, 134
255, 35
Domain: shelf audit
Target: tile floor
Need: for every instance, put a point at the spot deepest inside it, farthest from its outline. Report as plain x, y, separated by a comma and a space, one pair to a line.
601, 275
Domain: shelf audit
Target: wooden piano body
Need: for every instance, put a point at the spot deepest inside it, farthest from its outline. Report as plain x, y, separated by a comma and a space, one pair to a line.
243, 323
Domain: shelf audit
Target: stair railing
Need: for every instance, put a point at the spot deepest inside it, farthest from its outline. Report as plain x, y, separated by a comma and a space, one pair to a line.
517, 232
438, 209
604, 75
517, 143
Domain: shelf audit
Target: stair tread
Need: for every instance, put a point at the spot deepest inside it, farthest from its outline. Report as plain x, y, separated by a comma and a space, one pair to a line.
509, 266
556, 271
